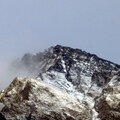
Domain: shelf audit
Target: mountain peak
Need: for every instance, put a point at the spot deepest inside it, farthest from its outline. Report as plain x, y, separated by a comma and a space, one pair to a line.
73, 72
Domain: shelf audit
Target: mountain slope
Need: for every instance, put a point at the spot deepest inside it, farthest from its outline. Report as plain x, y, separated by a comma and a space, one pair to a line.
72, 71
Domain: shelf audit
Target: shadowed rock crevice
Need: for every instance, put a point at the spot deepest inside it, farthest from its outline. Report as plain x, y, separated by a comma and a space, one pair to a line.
2, 117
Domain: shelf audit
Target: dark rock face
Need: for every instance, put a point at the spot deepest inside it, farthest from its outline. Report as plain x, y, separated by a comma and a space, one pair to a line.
101, 78
90, 62
57, 67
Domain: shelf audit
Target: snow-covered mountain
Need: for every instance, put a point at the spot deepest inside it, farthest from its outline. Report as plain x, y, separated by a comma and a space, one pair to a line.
76, 73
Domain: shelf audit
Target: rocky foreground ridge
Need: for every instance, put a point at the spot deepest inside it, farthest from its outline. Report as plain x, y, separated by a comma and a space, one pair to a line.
68, 84
28, 98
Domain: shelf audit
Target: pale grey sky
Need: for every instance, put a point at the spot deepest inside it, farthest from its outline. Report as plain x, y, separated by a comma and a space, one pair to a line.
33, 25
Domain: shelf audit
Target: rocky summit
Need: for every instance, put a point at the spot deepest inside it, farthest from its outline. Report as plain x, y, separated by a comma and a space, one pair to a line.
67, 84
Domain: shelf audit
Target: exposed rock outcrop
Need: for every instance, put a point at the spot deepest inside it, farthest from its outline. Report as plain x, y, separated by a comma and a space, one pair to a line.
108, 103
30, 99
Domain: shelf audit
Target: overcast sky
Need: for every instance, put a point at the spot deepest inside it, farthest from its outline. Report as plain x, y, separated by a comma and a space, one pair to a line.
33, 25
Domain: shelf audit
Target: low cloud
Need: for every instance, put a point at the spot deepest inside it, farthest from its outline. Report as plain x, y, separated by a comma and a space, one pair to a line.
8, 72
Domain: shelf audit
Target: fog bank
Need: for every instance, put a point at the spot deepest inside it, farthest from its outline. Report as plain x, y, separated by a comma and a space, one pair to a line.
9, 72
